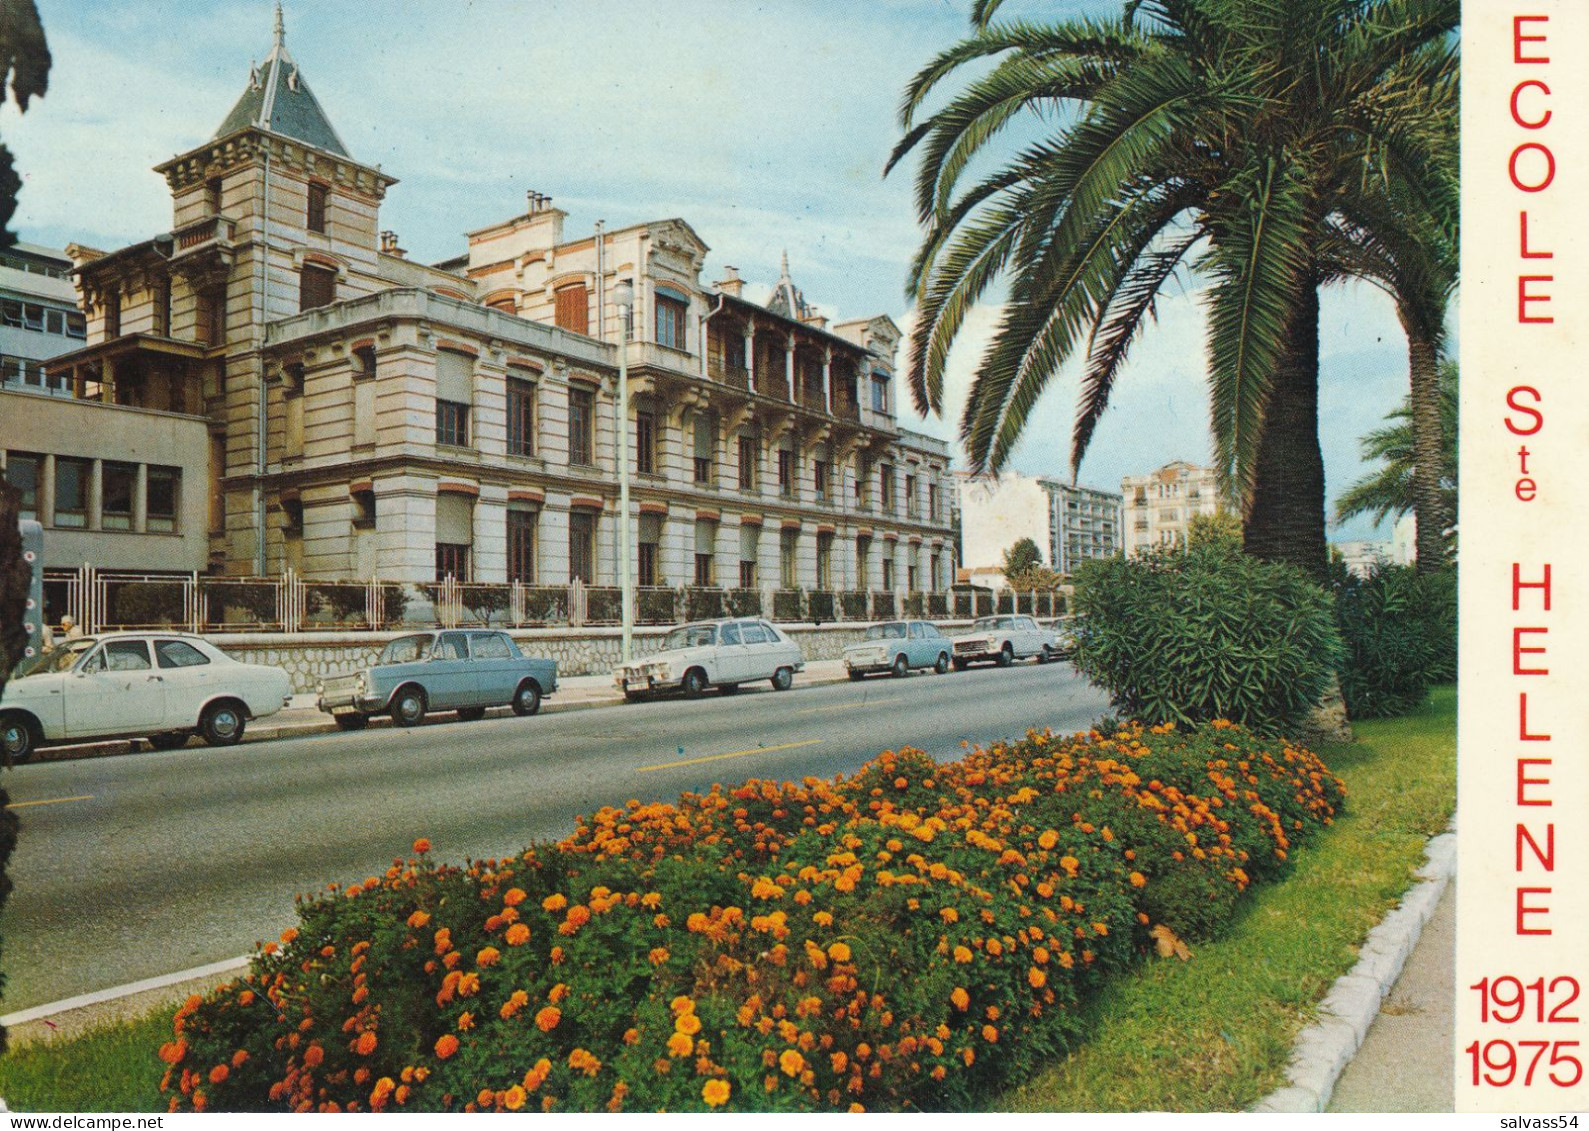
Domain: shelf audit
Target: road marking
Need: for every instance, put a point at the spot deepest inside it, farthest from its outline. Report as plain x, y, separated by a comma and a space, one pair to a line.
99, 997
51, 801
730, 754
849, 706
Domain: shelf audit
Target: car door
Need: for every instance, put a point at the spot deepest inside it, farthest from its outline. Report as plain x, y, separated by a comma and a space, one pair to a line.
115, 690
188, 679
449, 677
780, 652
1031, 637
759, 645
733, 654
496, 670
925, 644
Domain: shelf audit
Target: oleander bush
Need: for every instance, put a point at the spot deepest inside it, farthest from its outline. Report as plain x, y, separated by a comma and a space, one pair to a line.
908, 938
1398, 629
1188, 635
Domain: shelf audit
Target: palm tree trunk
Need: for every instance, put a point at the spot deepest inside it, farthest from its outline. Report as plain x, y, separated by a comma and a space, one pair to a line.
1285, 521
1428, 501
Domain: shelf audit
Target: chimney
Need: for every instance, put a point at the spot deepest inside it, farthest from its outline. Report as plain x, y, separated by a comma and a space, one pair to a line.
389, 245
730, 284
814, 319
536, 202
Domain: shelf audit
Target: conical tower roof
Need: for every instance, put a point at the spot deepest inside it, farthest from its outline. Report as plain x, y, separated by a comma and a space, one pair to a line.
279, 100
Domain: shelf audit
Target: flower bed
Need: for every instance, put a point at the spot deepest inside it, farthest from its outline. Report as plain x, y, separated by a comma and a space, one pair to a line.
907, 938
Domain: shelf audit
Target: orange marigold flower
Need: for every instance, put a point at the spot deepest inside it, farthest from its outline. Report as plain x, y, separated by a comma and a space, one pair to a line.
514, 896
465, 1022
681, 1005
823, 919
715, 1093
963, 954
239, 1057
839, 952
546, 1020
631, 1036
422, 845
488, 956
446, 1045
1138, 879
556, 955
219, 1073
289, 935
554, 903
1036, 978
840, 1061
517, 935
366, 1043
557, 993
960, 998
313, 1055
658, 955
688, 1024
514, 1098
679, 1044
1048, 839
791, 1062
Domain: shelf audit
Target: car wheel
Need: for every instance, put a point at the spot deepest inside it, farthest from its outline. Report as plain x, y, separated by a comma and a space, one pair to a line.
694, 683
633, 696
857, 676
527, 699
901, 666
783, 679
1045, 655
1006, 655
943, 663
17, 738
471, 714
222, 724
170, 740
408, 707
959, 664
352, 721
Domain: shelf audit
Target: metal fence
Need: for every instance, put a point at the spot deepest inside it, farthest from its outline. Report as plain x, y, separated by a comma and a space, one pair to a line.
101, 600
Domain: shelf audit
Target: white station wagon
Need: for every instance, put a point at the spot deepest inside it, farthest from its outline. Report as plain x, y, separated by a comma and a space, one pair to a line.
162, 686
721, 654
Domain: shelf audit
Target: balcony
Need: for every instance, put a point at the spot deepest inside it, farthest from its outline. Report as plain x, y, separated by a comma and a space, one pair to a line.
211, 234
728, 373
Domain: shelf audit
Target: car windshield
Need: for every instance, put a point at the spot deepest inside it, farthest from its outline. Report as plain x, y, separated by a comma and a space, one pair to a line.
59, 659
891, 631
988, 622
406, 649
691, 636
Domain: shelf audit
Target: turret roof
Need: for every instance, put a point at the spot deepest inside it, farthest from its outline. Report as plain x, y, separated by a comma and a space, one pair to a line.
279, 100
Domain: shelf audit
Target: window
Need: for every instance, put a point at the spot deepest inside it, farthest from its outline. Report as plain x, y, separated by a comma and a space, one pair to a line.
730, 635
749, 456
490, 646
292, 527
112, 302
212, 196
757, 634
319, 196
863, 470
824, 561
126, 656
863, 563
162, 310
650, 546
788, 561
118, 484
364, 510
573, 308
879, 392
452, 423
76, 326
178, 654
888, 573
211, 315
886, 478
932, 504
521, 417
705, 553
932, 565
71, 491
521, 546
749, 537
912, 508
582, 546
363, 362
705, 443
821, 477
645, 442
317, 286
22, 472
786, 473
452, 560
581, 427
505, 304
670, 320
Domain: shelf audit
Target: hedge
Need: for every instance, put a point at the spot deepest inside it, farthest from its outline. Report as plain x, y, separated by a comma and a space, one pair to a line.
909, 938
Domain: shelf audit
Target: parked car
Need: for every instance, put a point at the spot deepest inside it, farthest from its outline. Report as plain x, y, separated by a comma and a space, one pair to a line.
720, 653
897, 646
1065, 631
459, 670
161, 686
1004, 639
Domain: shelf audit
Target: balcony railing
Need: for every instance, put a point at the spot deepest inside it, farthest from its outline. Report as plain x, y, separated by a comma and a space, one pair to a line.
217, 230
728, 373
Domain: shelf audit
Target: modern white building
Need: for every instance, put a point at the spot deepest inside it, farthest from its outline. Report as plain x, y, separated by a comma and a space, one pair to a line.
1160, 505
39, 318
1069, 524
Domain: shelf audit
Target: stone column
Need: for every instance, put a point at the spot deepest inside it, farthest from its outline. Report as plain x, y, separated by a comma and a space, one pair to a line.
827, 380
750, 353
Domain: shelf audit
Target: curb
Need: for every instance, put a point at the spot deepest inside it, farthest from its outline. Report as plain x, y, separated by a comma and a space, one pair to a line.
1324, 1049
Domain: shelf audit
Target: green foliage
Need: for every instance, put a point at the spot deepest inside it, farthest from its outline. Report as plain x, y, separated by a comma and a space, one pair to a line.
1206, 632
1220, 528
1387, 492
1399, 633
1022, 556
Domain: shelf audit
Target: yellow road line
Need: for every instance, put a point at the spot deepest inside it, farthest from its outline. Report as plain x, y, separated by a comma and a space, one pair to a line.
730, 754
848, 706
51, 801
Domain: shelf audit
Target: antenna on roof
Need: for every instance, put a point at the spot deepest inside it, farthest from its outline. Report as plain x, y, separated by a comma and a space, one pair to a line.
281, 26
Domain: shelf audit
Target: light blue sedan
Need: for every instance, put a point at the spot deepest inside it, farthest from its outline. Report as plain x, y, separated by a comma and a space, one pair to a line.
897, 646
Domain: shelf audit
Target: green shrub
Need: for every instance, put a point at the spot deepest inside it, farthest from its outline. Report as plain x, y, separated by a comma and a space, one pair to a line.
908, 939
1399, 632
1190, 635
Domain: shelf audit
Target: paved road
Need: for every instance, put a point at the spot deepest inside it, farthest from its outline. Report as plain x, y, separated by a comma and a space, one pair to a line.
134, 867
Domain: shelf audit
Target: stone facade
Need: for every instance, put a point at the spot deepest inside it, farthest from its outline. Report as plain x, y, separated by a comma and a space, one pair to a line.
1160, 505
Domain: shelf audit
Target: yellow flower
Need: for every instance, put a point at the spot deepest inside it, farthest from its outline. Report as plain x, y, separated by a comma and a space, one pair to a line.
679, 1044
546, 1020
839, 952
688, 1024
715, 1093
791, 1062
960, 998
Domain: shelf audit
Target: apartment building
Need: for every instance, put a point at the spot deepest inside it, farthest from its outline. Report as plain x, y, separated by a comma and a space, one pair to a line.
1070, 524
370, 415
38, 316
1160, 505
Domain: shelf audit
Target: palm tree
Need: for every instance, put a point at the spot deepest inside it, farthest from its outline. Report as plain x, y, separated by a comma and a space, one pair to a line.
1388, 492
1249, 140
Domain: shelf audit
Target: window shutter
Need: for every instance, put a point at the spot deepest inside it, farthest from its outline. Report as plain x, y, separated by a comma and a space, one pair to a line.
317, 286
454, 377
749, 536
454, 519
573, 308
650, 528
706, 537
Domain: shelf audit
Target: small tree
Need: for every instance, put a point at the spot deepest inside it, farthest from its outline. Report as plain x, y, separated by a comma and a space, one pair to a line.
1221, 526
1022, 556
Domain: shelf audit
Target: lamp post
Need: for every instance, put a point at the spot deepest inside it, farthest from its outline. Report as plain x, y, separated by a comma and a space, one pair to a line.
623, 299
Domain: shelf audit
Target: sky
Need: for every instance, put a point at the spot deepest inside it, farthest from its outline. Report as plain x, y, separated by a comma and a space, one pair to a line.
764, 125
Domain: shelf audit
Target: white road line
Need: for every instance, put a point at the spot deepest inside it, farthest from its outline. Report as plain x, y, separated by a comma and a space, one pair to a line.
99, 997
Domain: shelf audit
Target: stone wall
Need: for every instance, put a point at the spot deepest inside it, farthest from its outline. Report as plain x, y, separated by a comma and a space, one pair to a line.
311, 656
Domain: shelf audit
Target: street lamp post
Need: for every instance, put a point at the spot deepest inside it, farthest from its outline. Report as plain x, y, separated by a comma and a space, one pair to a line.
623, 299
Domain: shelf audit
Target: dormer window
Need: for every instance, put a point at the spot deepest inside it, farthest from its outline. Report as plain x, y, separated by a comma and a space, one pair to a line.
319, 196
671, 309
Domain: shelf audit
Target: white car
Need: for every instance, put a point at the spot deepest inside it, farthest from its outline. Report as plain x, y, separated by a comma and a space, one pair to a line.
162, 686
720, 653
1005, 639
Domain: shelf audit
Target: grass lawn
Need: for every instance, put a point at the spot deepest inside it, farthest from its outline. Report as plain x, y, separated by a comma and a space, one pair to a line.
1213, 1033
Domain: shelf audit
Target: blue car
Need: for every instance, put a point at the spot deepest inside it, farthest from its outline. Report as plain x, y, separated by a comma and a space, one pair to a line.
458, 670
897, 646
